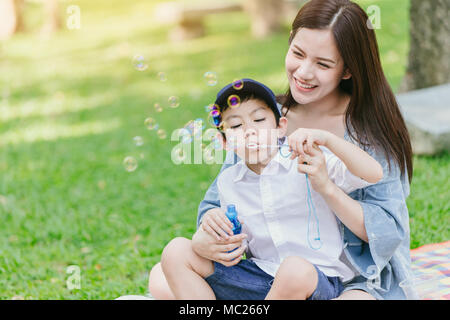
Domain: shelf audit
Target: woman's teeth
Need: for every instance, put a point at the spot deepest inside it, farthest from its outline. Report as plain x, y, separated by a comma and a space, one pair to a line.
304, 85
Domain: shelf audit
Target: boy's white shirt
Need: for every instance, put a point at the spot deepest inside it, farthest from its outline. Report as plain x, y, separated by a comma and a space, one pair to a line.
274, 209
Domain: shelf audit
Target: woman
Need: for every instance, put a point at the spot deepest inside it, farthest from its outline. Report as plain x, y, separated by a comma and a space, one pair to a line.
336, 83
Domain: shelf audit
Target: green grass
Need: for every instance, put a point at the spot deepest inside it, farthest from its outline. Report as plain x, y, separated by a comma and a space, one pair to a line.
70, 109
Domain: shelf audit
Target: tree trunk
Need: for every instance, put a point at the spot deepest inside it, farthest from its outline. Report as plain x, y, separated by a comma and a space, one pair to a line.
429, 54
52, 17
10, 18
266, 16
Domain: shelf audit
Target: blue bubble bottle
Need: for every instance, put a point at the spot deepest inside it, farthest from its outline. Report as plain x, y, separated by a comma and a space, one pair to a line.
232, 215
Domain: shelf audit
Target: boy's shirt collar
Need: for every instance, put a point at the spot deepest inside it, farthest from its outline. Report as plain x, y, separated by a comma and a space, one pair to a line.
270, 169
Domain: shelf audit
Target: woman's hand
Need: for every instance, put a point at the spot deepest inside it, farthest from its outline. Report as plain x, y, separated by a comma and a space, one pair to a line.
303, 138
313, 163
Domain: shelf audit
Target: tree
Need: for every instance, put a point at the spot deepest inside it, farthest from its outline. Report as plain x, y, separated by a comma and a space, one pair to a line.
265, 16
10, 18
429, 56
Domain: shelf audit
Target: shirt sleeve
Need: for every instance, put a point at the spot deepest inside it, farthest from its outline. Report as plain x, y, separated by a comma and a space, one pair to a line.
211, 199
386, 216
386, 219
341, 176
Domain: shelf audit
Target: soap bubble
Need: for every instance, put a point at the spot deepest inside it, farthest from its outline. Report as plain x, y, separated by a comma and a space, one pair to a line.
138, 141
214, 119
174, 102
178, 155
216, 143
158, 107
238, 84
186, 136
234, 101
211, 78
130, 163
150, 123
161, 133
199, 122
162, 76
139, 62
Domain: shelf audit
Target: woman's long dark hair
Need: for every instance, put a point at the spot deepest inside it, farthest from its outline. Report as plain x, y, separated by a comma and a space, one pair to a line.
373, 112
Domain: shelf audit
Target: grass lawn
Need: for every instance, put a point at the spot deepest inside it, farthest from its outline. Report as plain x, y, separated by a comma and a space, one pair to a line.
70, 107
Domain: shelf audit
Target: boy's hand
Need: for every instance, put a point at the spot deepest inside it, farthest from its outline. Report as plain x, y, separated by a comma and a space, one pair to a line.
217, 224
305, 138
209, 248
313, 163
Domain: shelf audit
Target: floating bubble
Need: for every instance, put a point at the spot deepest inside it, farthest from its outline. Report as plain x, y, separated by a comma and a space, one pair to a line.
138, 141
211, 78
217, 143
238, 84
161, 133
150, 123
130, 164
234, 101
139, 62
211, 107
158, 107
186, 137
215, 113
162, 76
174, 102
208, 154
178, 155
214, 120
200, 122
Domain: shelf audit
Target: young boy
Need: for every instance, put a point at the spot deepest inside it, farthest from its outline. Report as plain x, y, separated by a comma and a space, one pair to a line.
294, 245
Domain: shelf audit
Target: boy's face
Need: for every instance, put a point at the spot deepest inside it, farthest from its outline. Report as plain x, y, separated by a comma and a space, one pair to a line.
250, 129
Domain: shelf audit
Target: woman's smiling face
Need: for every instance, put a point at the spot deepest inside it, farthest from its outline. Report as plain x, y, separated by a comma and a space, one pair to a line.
314, 66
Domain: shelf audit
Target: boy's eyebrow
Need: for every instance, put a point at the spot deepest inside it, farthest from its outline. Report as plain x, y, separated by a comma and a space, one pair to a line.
236, 116
318, 58
230, 117
257, 109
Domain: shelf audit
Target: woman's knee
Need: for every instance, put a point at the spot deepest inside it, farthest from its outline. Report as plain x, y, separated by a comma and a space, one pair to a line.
175, 252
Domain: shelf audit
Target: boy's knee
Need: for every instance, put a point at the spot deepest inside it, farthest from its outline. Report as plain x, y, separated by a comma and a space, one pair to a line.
175, 252
296, 272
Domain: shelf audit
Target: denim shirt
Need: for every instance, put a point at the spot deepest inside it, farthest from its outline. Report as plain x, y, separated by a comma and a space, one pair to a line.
383, 262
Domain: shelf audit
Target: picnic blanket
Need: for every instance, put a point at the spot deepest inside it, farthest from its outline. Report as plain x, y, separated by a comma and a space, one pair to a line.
434, 260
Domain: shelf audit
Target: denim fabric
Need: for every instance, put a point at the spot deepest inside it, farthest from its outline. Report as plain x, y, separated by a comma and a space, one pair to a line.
383, 262
246, 281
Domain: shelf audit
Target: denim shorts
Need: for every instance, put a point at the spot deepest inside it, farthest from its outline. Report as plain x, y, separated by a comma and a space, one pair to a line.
246, 281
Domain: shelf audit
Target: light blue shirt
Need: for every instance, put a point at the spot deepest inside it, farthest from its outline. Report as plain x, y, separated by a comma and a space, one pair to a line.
383, 262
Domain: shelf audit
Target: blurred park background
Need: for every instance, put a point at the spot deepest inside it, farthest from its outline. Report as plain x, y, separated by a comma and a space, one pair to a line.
74, 95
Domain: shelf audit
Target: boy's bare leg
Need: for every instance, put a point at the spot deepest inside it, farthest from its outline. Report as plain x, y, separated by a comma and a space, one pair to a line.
355, 295
296, 279
157, 284
186, 271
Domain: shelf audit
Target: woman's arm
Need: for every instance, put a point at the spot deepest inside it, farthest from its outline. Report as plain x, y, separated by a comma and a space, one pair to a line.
349, 211
357, 161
